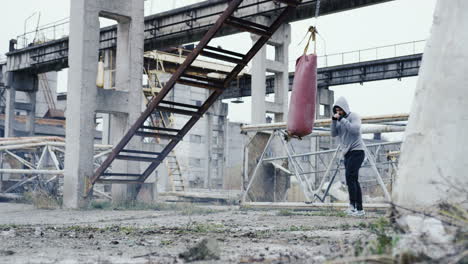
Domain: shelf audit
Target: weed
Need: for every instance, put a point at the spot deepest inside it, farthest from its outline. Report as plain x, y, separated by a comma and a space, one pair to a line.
362, 225
358, 247
384, 242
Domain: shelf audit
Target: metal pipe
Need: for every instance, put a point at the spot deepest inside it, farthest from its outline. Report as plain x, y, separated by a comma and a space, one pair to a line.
328, 151
23, 171
327, 122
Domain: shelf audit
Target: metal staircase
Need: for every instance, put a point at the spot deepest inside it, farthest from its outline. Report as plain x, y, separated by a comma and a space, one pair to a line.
175, 173
216, 86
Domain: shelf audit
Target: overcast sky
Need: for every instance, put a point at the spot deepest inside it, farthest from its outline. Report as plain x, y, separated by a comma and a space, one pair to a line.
384, 24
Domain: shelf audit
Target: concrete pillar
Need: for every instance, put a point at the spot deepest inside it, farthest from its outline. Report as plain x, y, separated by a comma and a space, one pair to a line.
282, 39
81, 103
433, 161
31, 120
279, 66
10, 111
82, 90
109, 68
207, 183
128, 77
258, 85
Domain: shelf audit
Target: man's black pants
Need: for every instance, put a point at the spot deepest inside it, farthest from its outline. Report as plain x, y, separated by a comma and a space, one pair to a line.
353, 161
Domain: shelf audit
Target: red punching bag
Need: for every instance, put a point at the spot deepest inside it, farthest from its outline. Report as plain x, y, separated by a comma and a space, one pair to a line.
301, 116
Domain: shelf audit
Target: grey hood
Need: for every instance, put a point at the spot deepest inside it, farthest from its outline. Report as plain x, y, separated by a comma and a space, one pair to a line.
343, 104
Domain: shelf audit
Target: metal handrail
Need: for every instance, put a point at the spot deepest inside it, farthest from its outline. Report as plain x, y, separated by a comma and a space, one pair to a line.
370, 54
415, 47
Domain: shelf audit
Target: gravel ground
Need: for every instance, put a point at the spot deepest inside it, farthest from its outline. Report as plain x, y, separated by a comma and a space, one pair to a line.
29, 235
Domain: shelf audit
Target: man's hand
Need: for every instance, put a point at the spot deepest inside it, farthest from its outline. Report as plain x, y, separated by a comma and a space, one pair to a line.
336, 117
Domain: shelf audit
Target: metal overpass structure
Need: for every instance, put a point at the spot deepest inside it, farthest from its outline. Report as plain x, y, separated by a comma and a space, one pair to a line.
401, 60
172, 28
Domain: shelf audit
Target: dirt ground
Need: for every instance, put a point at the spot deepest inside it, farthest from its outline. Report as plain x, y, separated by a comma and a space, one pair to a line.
29, 235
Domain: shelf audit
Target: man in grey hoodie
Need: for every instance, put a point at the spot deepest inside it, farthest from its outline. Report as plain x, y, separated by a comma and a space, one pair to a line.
347, 126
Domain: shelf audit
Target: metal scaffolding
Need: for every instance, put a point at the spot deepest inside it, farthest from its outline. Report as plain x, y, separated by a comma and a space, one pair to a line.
316, 178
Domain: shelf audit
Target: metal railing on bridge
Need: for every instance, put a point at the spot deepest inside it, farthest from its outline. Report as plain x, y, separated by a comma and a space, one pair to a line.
48, 32
369, 54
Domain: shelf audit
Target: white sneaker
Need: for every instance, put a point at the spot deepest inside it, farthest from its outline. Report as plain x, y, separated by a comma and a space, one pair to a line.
358, 213
350, 210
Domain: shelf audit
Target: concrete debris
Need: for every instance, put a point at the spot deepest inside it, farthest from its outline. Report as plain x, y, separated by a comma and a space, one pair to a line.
420, 250
338, 191
9, 233
435, 231
207, 249
6, 252
373, 200
427, 227
38, 232
426, 238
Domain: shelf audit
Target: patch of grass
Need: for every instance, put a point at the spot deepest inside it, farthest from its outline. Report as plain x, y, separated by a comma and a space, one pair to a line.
6, 227
206, 228
326, 212
299, 228
42, 200
121, 229
113, 228
345, 226
100, 205
332, 212
166, 242
263, 233
183, 208
285, 212
195, 210
82, 229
